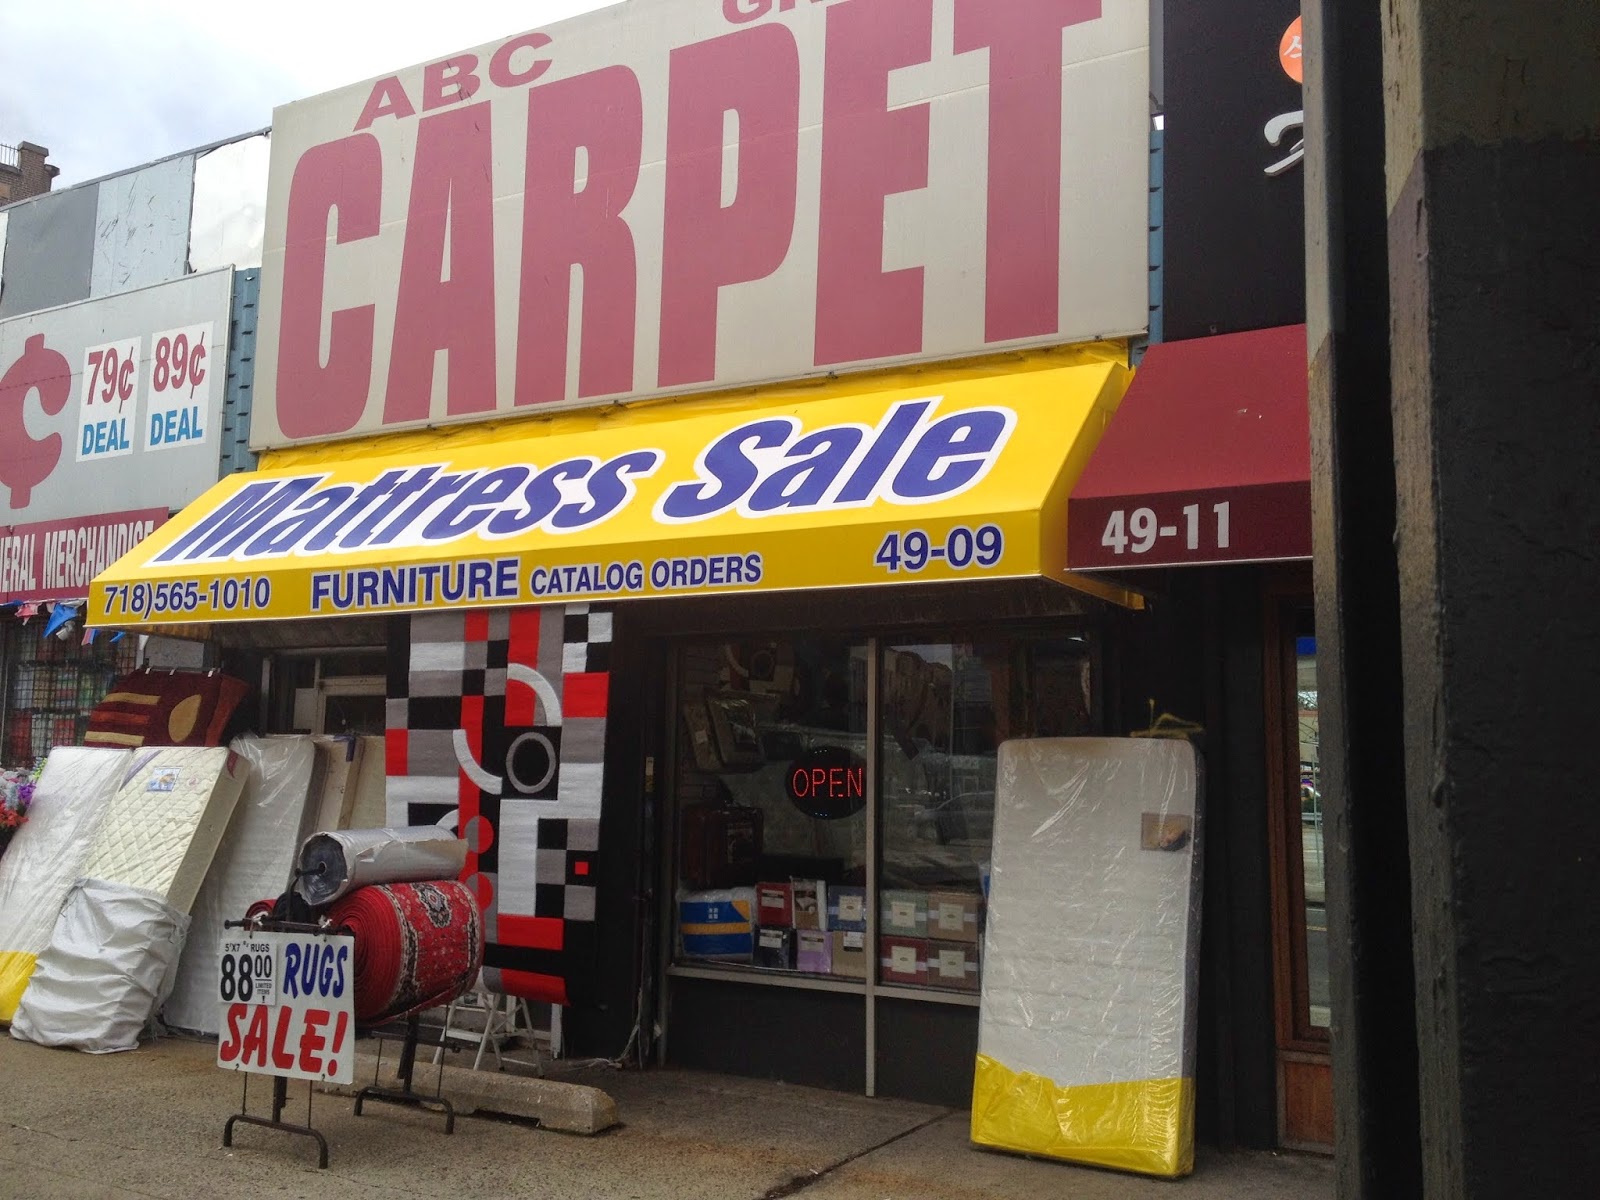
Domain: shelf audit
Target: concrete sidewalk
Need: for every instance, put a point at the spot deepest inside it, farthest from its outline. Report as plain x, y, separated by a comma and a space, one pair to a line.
149, 1123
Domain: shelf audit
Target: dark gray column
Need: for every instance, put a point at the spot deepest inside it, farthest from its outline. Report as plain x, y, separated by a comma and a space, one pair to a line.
1494, 251
1359, 690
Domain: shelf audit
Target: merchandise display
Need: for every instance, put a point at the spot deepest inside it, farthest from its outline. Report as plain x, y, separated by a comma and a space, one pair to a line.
47, 855
775, 904
721, 846
953, 965
810, 904
814, 951
847, 908
903, 961
953, 916
162, 828
718, 924
903, 913
333, 864
166, 708
418, 945
1086, 1034
254, 859
850, 959
775, 948
333, 790
110, 962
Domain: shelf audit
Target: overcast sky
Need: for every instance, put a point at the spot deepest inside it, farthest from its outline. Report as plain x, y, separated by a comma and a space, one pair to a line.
111, 84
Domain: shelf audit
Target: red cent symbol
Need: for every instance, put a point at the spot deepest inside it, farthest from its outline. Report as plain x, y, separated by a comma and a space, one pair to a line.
26, 461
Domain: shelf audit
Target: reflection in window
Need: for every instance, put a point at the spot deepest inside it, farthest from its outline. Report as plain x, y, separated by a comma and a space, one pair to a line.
1311, 828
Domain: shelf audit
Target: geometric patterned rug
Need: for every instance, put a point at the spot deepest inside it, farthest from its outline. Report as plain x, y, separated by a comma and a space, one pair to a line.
496, 728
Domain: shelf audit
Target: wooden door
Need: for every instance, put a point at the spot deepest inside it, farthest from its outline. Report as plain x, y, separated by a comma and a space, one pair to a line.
1299, 916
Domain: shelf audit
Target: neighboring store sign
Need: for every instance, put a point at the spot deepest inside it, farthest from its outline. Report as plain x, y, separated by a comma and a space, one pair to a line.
939, 478
57, 560
695, 194
113, 402
288, 1005
1233, 183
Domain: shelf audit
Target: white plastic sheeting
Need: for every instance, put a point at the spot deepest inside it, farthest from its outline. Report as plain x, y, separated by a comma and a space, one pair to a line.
48, 853
252, 863
110, 960
1091, 954
332, 864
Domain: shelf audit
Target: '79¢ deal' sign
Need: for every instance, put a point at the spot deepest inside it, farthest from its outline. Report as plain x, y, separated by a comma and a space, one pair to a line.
288, 1005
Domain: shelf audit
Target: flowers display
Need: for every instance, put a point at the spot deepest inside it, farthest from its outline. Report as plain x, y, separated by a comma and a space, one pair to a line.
16, 797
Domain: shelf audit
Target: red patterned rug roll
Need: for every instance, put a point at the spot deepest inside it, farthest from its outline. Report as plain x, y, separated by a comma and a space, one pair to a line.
418, 945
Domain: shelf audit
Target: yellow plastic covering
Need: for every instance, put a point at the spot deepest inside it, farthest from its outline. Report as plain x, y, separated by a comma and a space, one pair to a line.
1141, 1127
16, 968
1086, 1030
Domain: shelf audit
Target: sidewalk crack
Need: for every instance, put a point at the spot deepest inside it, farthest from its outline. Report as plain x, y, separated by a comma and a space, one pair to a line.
800, 1183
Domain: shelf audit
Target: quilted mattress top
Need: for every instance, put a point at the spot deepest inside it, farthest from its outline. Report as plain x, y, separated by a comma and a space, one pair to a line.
162, 827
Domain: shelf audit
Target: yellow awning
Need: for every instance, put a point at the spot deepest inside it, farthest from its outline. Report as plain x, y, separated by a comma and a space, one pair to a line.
922, 476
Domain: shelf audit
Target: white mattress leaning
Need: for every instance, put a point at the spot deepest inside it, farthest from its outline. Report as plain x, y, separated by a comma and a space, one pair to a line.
252, 863
1090, 950
163, 826
48, 853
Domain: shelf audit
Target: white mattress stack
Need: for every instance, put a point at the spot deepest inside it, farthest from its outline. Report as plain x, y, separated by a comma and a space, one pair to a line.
162, 828
47, 854
252, 863
1091, 954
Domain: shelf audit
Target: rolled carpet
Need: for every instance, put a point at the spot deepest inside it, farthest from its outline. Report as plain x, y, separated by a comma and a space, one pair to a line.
418, 945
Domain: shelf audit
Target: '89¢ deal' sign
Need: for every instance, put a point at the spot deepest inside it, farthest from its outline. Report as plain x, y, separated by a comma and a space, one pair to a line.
288, 1005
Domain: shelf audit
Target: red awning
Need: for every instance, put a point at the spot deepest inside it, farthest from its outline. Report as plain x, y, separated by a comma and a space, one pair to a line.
1208, 459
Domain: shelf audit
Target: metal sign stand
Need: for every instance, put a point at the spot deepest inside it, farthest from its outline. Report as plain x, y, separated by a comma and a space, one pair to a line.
280, 1083
280, 1096
404, 1094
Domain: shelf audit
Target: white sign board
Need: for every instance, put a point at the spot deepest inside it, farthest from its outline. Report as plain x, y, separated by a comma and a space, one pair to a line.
288, 1005
114, 404
686, 195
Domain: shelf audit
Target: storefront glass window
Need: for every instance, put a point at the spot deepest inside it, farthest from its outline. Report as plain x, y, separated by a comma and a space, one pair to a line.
774, 796
946, 708
51, 686
772, 804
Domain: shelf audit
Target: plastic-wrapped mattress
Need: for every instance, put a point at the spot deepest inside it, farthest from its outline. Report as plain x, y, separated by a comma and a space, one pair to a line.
111, 958
47, 854
254, 860
1091, 954
162, 827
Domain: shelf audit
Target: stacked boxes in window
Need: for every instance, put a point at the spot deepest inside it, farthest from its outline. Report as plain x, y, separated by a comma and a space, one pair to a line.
953, 965
774, 905
904, 960
903, 914
718, 924
810, 898
814, 951
847, 909
775, 948
953, 916
848, 958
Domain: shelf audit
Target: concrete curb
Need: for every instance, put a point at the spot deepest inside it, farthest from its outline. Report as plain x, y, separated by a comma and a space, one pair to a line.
568, 1107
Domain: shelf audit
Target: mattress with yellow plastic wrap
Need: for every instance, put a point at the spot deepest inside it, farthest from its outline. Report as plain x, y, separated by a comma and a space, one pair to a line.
48, 853
1086, 1028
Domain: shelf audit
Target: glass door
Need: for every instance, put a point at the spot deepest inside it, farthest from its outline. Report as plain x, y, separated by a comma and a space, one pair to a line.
1300, 922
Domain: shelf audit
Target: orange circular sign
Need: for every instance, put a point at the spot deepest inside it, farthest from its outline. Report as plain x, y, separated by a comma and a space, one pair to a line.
1289, 52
